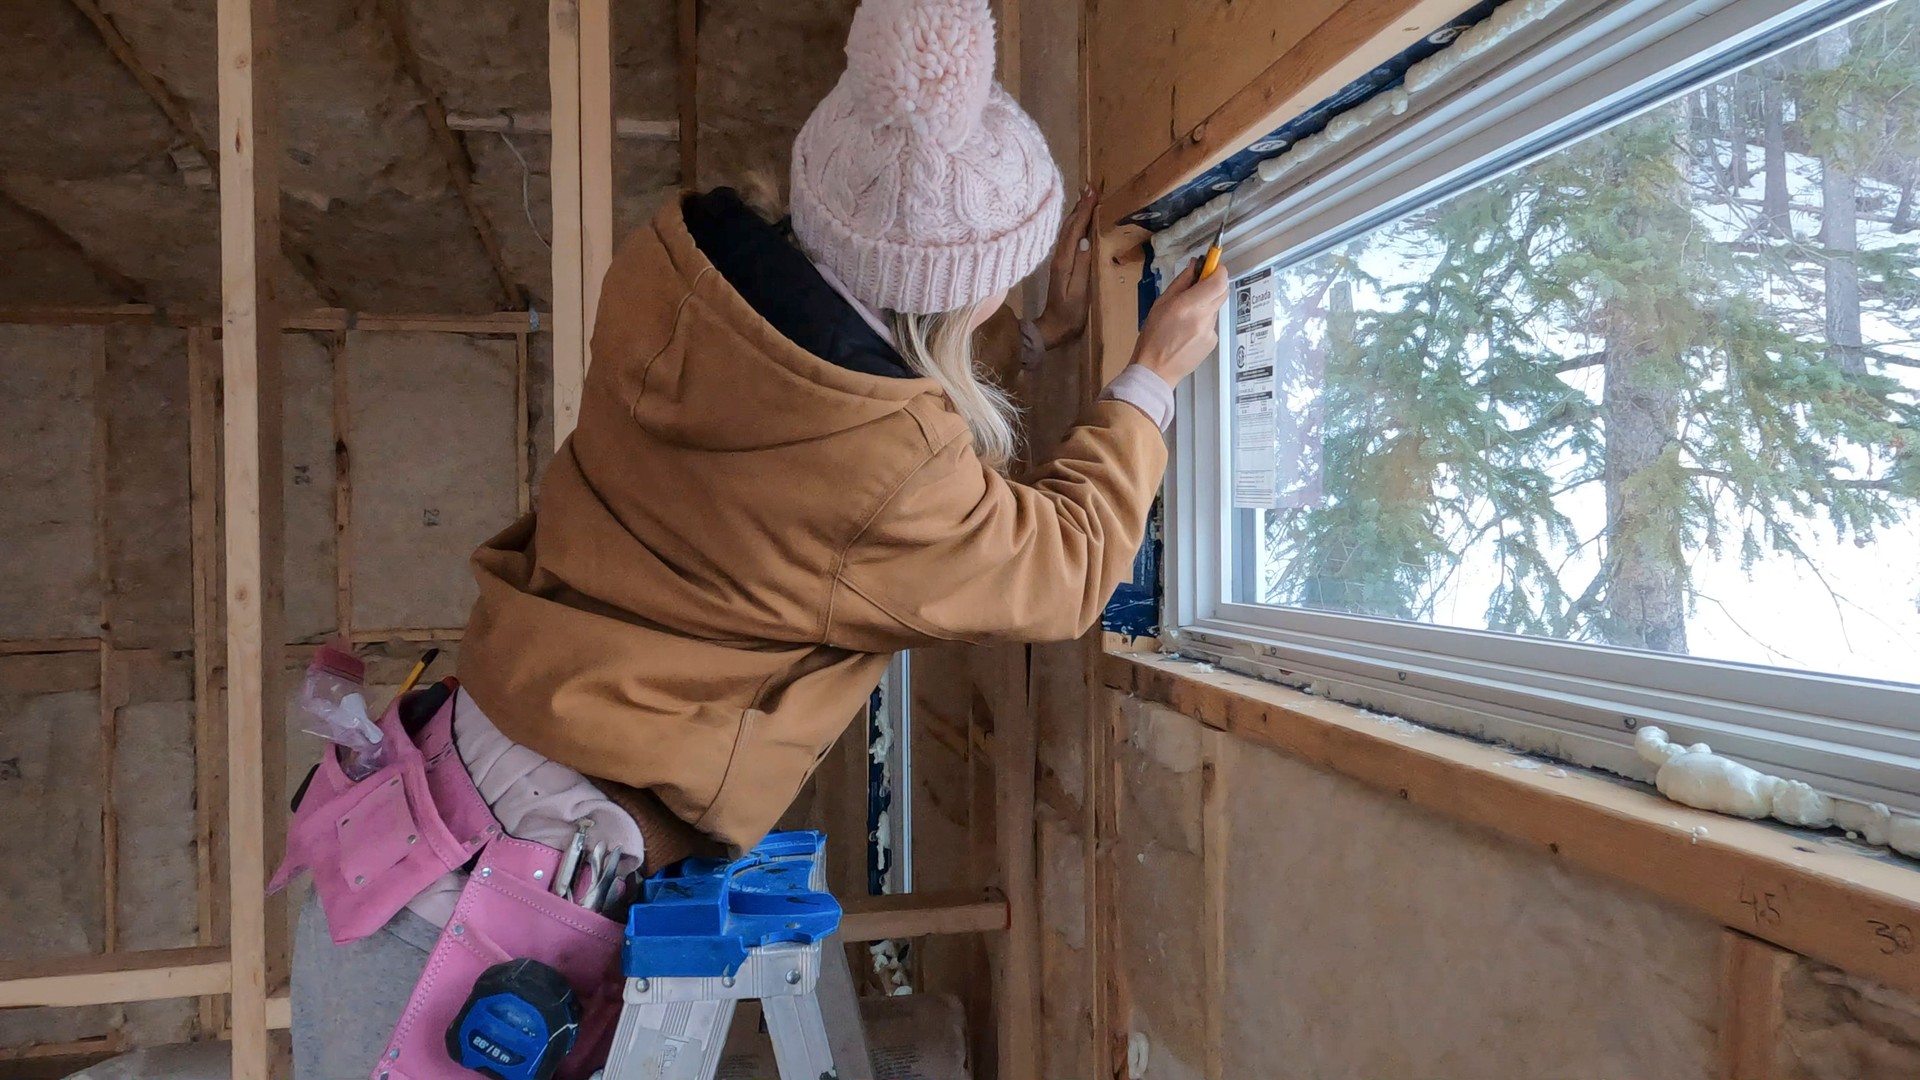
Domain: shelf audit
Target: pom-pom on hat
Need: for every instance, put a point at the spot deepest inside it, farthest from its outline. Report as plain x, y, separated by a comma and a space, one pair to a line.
919, 181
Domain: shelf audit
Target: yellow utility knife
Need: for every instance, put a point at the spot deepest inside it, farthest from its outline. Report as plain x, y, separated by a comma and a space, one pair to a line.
1212, 261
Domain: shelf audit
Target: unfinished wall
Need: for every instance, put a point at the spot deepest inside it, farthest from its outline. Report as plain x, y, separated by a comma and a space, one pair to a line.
1279, 920
107, 200
401, 453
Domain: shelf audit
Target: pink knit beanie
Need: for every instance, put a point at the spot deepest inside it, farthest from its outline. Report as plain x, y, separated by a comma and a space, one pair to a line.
918, 181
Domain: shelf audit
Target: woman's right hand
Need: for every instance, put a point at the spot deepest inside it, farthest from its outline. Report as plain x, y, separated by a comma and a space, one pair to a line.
1184, 325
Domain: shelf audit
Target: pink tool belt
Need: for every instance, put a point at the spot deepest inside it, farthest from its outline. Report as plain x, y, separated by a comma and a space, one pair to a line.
375, 843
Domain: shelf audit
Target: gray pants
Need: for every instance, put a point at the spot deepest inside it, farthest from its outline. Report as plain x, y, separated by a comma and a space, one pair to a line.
347, 998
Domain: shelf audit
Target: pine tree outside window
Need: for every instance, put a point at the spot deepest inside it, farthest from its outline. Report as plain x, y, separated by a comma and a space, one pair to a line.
1606, 412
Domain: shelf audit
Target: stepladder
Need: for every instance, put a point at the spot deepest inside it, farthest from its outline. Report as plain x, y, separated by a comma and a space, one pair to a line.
709, 934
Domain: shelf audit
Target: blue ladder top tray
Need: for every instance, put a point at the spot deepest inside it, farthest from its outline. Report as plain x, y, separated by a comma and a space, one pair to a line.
701, 917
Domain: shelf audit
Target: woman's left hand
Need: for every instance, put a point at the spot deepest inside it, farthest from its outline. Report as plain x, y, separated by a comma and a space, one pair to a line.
1069, 276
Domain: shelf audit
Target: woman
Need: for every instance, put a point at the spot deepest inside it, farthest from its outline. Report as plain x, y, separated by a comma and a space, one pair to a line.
788, 466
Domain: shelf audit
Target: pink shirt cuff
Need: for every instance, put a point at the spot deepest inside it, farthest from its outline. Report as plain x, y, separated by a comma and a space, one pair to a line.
1145, 391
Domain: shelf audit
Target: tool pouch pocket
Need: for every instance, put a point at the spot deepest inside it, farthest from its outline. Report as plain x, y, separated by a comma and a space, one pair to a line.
373, 844
506, 912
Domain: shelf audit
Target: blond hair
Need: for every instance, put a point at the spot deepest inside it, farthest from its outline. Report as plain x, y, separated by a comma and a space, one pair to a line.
940, 347
937, 347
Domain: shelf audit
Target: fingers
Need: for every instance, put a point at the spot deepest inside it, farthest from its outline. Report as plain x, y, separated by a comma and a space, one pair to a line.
1079, 223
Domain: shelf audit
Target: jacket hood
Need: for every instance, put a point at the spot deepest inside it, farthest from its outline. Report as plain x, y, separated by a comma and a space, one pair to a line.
721, 335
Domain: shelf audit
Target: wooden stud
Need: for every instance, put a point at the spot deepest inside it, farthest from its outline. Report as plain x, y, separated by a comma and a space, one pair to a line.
1114, 1004
569, 327
209, 723
1007, 20
342, 488
522, 421
110, 688
596, 160
689, 87
982, 1017
1752, 1013
1215, 852
107, 980
169, 105
452, 151
1828, 904
111, 1043
250, 331
1016, 749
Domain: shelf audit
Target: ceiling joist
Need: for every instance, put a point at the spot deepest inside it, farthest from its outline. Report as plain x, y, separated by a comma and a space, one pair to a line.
181, 118
453, 151
123, 286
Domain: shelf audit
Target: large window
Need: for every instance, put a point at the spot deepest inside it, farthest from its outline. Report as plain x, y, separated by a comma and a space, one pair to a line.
1642, 377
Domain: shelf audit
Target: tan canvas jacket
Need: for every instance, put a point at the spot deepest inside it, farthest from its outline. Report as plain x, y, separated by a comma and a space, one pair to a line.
739, 534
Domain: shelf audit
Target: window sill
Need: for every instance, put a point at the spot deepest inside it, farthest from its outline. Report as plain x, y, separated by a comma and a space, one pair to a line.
1841, 905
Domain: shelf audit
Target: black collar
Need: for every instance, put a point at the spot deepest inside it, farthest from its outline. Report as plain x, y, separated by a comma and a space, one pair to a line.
771, 273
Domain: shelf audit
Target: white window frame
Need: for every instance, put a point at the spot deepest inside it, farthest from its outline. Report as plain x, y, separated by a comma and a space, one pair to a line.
1588, 63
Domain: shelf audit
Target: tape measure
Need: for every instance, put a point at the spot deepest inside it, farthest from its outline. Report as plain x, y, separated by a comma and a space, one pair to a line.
518, 1023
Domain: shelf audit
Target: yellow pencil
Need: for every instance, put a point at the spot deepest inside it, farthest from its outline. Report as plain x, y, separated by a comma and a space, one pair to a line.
419, 669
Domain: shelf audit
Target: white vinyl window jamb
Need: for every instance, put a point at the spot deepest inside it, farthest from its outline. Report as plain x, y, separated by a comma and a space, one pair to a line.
1587, 65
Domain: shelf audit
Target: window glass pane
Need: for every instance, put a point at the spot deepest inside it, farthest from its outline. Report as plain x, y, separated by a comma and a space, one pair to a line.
1659, 390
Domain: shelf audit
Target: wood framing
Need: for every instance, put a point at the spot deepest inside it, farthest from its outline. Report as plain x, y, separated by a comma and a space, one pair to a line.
596, 159
111, 277
1017, 1003
209, 721
688, 86
181, 119
250, 347
170, 106
1752, 981
1215, 854
509, 122
112, 979
1341, 42
503, 323
342, 486
1831, 905
452, 151
569, 317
